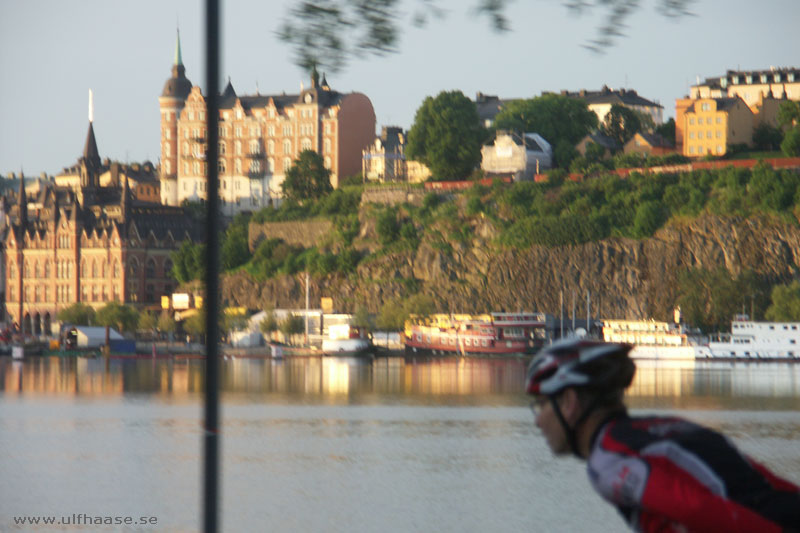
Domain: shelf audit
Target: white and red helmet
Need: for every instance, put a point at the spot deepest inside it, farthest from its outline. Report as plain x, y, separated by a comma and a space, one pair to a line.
600, 366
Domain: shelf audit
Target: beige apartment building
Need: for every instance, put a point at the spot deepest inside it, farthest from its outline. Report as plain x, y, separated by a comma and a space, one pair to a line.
752, 86
708, 126
260, 137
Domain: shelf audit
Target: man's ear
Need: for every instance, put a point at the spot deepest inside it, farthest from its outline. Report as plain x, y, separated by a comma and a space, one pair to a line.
570, 404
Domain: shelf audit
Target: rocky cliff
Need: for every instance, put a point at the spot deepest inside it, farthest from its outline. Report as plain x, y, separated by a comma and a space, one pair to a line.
627, 278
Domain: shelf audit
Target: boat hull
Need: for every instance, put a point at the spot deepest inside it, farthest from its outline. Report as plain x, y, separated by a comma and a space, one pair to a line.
346, 347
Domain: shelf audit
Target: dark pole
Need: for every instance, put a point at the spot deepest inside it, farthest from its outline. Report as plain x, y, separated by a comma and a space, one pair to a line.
211, 449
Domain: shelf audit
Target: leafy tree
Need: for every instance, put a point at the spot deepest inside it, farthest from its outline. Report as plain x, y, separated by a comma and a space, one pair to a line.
188, 262
292, 325
195, 325
785, 304
393, 313
446, 135
166, 323
329, 32
555, 117
77, 314
307, 178
147, 322
363, 318
387, 226
766, 137
710, 298
649, 217
269, 324
789, 113
622, 123
235, 250
120, 316
667, 130
791, 142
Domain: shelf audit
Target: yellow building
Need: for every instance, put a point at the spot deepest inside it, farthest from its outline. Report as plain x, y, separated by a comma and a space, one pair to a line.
709, 126
752, 86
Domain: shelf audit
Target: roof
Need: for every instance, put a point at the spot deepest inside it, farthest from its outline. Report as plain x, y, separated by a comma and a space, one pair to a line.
603, 140
716, 82
489, 106
655, 140
723, 104
605, 95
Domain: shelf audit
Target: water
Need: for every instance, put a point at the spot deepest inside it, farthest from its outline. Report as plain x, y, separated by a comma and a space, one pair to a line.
338, 445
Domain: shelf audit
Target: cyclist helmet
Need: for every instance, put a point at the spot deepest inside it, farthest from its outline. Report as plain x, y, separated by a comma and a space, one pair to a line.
595, 365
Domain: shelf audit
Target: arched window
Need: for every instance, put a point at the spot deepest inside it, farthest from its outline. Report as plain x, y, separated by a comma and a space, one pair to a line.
47, 269
94, 268
287, 146
103, 271
167, 267
36, 272
150, 268
133, 266
238, 147
305, 144
287, 164
84, 270
222, 148
27, 270
271, 165
271, 147
116, 268
221, 166
326, 146
238, 166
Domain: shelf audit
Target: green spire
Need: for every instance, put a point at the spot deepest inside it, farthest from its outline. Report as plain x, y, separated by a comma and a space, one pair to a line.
178, 59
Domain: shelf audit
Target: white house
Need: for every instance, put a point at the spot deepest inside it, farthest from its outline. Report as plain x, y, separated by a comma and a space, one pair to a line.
518, 156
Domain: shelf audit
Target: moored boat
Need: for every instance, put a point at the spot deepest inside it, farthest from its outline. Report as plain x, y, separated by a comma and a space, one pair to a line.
346, 340
652, 339
485, 334
751, 340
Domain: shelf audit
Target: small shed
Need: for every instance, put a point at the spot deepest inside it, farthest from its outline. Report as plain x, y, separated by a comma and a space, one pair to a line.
92, 336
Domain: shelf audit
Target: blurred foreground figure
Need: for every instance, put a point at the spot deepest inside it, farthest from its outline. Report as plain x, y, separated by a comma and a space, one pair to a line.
662, 474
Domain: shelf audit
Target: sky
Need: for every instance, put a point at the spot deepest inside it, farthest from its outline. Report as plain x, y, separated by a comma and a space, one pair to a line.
52, 52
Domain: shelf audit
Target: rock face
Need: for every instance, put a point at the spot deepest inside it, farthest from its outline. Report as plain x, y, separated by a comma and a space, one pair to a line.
626, 278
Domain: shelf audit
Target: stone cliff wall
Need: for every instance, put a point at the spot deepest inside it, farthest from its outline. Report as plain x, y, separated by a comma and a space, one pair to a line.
627, 278
305, 232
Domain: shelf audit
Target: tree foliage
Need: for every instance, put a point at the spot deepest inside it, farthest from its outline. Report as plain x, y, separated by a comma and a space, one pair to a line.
557, 118
166, 324
785, 303
766, 137
120, 316
446, 135
235, 250
307, 178
330, 32
292, 325
189, 262
77, 314
622, 123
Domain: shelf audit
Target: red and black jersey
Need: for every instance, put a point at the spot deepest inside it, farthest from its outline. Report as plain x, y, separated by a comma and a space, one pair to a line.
668, 474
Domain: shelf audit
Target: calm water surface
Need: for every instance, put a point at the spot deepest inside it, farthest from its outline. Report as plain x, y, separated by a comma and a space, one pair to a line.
313, 444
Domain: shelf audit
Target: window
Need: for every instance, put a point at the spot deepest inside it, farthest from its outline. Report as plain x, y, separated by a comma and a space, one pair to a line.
221, 166
287, 146
305, 144
691, 135
705, 106
255, 166
719, 120
699, 135
719, 134
222, 148
691, 121
720, 149
133, 266
763, 78
271, 147
47, 269
237, 131
328, 128
271, 131
287, 163
238, 147
691, 149
271, 165
238, 166
327, 162
238, 113
94, 269
255, 147
150, 268
287, 130
326, 146
167, 267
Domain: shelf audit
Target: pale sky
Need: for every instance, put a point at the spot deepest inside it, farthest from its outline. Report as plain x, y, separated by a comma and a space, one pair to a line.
53, 51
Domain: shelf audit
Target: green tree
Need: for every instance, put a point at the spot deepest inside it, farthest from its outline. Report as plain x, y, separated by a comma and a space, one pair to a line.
292, 325
555, 117
789, 113
649, 217
147, 322
667, 130
622, 123
166, 323
329, 32
363, 318
791, 142
766, 137
188, 262
269, 324
195, 325
307, 178
710, 298
446, 135
785, 304
77, 314
120, 316
235, 250
387, 227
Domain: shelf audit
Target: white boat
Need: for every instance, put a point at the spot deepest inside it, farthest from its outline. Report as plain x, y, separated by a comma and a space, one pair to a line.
751, 340
346, 340
654, 340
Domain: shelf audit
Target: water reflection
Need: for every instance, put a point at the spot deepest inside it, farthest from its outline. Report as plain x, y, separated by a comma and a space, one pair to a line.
705, 385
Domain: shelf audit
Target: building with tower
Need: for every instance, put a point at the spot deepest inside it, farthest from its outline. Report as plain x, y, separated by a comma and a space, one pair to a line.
260, 137
92, 244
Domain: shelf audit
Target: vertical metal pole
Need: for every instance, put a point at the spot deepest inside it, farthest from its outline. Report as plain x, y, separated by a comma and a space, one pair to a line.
211, 448
561, 303
588, 312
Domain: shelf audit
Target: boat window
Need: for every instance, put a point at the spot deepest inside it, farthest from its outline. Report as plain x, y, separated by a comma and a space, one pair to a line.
772, 327
483, 342
468, 341
794, 328
785, 327
747, 353
792, 341
452, 340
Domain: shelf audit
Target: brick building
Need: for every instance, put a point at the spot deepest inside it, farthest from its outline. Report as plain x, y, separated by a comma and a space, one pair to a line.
92, 244
260, 136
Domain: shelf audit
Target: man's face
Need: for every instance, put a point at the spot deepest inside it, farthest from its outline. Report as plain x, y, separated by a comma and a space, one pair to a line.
547, 421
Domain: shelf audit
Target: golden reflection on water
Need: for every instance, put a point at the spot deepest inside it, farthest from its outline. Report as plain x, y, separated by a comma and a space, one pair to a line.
684, 384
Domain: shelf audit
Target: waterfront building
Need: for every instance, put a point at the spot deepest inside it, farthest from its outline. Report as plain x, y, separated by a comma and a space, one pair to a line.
260, 137
85, 242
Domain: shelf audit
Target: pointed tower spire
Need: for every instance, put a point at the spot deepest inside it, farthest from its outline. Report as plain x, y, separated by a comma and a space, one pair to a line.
22, 201
178, 58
